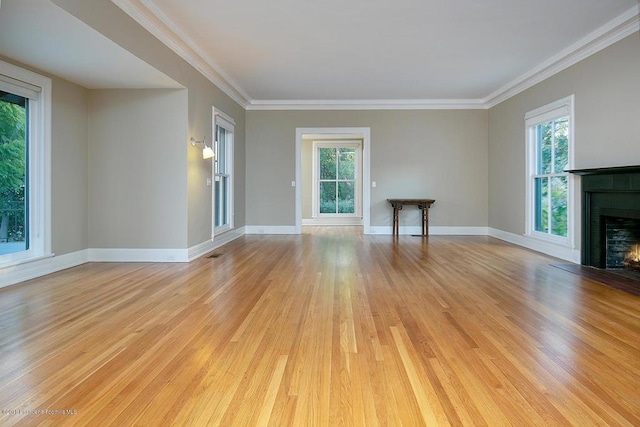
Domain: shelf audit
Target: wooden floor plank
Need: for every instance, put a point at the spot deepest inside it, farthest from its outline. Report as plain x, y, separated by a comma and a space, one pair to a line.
326, 328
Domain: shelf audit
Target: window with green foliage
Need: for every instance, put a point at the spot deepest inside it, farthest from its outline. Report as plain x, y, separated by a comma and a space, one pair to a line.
337, 180
549, 138
550, 180
25, 159
13, 173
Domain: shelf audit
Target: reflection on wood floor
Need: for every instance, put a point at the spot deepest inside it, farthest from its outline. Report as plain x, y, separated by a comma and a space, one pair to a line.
323, 329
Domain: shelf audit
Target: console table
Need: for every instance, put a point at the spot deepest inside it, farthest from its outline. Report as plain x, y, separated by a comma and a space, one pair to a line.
422, 204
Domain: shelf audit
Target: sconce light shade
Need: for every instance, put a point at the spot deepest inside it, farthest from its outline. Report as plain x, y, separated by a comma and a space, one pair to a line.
207, 152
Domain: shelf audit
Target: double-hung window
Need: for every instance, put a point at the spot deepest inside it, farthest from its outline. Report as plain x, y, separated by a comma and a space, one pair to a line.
549, 186
336, 175
25, 128
223, 172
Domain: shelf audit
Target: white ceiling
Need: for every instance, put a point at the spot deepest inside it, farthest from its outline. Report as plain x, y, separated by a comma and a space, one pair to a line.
336, 54
281, 51
42, 35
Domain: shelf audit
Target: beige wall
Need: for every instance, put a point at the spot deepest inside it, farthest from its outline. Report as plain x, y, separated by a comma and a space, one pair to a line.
107, 18
607, 107
69, 167
137, 169
440, 154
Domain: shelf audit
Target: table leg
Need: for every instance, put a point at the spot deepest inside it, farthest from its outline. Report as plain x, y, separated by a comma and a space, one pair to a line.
395, 221
425, 223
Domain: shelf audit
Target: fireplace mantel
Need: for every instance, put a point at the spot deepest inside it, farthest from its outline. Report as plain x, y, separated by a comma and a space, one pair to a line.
605, 171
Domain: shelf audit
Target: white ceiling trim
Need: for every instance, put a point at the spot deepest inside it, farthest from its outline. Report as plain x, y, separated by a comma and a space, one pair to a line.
368, 104
157, 23
613, 31
332, 136
152, 19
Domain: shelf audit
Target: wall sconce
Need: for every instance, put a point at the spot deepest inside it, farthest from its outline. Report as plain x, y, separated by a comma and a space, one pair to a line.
207, 152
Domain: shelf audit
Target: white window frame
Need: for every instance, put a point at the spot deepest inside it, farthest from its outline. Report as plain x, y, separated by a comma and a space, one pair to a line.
358, 177
226, 122
37, 89
555, 110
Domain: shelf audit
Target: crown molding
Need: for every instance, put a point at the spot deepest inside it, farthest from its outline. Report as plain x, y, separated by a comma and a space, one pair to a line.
368, 104
151, 18
613, 31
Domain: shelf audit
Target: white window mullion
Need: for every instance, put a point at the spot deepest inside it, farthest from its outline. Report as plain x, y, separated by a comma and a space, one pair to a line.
552, 168
337, 152
549, 206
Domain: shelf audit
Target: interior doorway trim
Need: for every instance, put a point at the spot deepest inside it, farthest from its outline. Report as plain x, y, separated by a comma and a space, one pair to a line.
365, 134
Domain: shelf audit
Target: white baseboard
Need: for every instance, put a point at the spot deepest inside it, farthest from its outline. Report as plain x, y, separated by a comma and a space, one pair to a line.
270, 229
331, 221
163, 255
137, 255
41, 267
565, 253
219, 240
433, 230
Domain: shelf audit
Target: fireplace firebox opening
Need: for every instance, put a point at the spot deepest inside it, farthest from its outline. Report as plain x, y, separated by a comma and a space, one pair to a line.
622, 243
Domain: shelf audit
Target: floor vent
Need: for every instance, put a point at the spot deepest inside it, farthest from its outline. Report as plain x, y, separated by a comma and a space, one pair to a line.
214, 256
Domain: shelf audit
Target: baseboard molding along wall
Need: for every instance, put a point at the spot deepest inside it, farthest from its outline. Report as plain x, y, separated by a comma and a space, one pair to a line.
270, 229
41, 267
219, 240
562, 252
137, 255
331, 221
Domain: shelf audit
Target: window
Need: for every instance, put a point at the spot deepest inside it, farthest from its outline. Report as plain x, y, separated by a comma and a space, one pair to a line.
223, 173
336, 178
14, 219
549, 186
24, 165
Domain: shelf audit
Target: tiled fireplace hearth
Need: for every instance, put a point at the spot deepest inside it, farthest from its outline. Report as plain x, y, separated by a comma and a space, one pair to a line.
610, 217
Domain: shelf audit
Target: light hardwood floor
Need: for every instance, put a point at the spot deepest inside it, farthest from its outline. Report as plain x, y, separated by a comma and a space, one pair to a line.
323, 329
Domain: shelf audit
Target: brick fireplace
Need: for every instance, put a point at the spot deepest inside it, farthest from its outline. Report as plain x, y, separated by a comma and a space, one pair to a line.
611, 217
